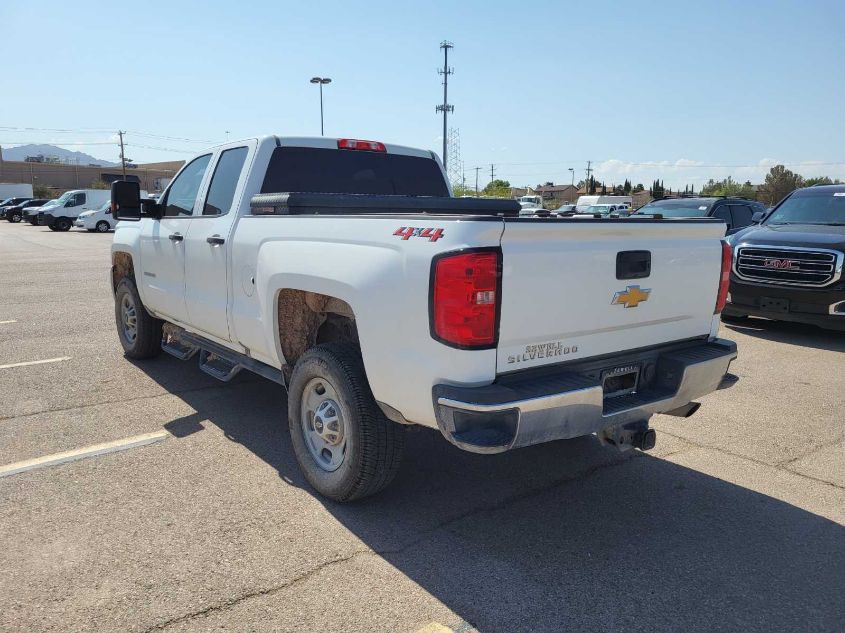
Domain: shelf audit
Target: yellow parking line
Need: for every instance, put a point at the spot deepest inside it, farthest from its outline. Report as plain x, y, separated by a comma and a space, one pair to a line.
35, 362
82, 453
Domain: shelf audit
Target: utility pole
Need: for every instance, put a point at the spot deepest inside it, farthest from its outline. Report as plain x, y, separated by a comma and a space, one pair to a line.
122, 155
589, 171
445, 108
492, 172
476, 179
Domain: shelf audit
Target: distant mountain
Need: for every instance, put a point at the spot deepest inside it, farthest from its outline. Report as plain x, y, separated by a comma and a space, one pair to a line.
65, 155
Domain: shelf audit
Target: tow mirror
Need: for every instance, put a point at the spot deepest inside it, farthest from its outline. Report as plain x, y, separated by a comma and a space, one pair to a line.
126, 200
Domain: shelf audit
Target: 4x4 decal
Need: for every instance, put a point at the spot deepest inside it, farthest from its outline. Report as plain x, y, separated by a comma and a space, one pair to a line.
407, 232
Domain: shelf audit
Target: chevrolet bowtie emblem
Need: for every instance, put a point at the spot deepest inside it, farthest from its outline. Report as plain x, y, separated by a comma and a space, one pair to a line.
631, 297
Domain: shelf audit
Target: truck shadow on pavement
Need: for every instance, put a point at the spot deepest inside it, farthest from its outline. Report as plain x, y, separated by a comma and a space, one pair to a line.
791, 333
568, 535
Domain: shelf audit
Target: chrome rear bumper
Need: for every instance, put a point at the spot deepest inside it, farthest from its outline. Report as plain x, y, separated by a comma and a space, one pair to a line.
527, 409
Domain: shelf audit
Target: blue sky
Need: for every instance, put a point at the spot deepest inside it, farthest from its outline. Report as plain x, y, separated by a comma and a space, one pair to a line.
694, 90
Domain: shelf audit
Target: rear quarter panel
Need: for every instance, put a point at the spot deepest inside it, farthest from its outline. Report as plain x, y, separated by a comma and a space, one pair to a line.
384, 279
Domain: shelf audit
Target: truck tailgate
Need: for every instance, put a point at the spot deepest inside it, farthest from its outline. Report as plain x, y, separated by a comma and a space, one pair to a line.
561, 298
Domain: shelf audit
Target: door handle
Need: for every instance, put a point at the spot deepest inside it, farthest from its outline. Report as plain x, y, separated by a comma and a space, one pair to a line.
216, 240
175, 237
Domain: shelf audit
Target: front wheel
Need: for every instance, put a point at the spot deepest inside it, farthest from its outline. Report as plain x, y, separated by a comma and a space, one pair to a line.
62, 224
14, 218
139, 332
102, 226
346, 447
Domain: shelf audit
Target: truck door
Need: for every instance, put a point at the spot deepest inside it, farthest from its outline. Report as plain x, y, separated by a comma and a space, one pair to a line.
207, 246
163, 243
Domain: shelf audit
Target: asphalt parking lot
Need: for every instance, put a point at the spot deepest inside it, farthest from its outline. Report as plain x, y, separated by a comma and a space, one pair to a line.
734, 522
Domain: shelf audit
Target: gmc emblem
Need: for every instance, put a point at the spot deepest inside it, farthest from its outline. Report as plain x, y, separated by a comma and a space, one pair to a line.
780, 263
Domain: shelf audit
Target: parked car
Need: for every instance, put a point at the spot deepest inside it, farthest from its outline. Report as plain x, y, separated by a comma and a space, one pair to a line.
737, 213
99, 220
9, 203
377, 311
607, 209
15, 214
565, 208
30, 214
61, 216
789, 266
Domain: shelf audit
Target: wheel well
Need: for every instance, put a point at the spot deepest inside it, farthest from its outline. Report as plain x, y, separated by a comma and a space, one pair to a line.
121, 266
307, 318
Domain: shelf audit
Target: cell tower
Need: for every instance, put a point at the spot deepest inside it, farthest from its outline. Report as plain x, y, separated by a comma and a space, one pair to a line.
445, 108
455, 166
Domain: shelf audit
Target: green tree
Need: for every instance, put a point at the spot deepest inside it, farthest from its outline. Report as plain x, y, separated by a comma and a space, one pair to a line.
638, 188
818, 180
498, 189
592, 187
42, 191
626, 188
780, 181
99, 184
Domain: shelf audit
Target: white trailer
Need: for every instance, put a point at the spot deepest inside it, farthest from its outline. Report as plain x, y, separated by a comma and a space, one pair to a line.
15, 190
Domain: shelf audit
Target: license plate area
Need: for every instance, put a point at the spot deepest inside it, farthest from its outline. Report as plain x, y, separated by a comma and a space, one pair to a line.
620, 381
774, 304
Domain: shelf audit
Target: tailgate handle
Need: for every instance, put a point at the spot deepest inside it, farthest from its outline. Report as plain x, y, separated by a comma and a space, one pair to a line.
633, 264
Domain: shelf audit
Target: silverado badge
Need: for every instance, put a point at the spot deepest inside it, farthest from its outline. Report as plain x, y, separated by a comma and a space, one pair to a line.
631, 297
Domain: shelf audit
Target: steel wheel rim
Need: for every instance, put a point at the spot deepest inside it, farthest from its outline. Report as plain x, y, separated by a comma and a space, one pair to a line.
129, 318
323, 425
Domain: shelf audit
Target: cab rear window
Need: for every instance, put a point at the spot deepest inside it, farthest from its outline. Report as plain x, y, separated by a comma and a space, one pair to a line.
318, 170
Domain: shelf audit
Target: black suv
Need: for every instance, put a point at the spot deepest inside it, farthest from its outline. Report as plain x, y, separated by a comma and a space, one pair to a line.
15, 213
9, 203
789, 267
736, 212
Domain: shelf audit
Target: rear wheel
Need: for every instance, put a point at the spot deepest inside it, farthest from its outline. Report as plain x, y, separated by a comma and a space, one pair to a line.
139, 332
102, 226
346, 447
14, 218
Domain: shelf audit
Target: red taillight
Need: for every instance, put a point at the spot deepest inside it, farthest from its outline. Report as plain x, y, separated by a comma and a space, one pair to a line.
464, 299
369, 146
725, 279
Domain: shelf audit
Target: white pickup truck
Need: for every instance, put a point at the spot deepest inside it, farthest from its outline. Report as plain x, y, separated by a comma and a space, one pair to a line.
345, 271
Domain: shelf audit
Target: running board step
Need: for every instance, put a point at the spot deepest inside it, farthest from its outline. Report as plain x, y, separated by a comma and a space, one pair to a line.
182, 351
218, 367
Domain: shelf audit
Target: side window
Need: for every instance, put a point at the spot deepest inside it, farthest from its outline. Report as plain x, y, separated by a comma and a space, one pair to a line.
183, 191
742, 215
723, 213
76, 200
221, 192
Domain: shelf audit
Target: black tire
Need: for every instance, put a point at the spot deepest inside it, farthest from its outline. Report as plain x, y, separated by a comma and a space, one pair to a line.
147, 339
33, 221
102, 227
373, 444
52, 227
62, 224
14, 218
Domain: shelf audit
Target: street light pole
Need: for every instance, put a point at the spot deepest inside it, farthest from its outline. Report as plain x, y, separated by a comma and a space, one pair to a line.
572, 171
321, 81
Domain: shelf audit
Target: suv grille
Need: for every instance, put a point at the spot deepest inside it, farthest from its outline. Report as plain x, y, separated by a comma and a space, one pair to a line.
788, 266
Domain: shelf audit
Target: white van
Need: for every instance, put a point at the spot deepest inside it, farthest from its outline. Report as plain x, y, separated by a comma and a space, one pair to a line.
587, 201
61, 216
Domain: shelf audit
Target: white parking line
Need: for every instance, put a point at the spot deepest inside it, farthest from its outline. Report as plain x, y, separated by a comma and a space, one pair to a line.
82, 453
35, 362
7, 322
